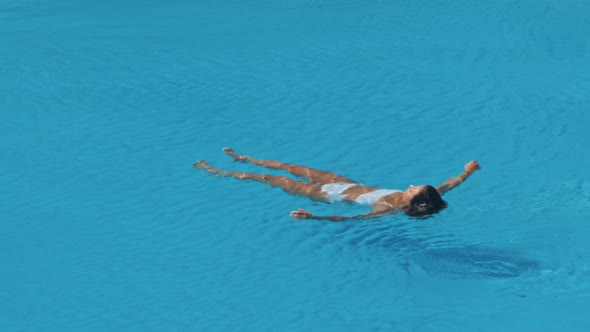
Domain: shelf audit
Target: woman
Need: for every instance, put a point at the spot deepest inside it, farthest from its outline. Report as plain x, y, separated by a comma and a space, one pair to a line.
416, 201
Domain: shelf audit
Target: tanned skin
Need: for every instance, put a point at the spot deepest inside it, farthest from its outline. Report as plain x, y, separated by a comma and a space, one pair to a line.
313, 179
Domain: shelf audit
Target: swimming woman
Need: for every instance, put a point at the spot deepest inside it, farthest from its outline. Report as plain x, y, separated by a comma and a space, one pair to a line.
416, 201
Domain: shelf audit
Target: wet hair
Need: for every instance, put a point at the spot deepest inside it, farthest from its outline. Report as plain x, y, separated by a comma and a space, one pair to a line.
426, 202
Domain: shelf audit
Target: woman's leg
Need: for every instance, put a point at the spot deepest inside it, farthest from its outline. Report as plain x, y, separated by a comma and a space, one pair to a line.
285, 183
311, 174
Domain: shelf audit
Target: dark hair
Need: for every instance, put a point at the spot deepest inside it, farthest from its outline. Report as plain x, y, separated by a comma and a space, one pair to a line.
426, 202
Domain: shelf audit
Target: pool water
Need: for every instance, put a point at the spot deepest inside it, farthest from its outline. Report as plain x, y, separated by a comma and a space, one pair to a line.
105, 225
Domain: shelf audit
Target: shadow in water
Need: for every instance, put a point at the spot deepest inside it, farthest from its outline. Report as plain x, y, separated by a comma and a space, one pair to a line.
445, 255
473, 262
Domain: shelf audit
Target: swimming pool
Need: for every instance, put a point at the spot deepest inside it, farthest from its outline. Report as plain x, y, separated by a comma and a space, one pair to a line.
106, 105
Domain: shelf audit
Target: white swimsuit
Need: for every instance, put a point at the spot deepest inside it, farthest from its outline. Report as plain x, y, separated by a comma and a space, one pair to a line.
334, 190
334, 193
372, 197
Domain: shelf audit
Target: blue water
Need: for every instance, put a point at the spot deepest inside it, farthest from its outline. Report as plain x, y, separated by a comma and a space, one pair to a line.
105, 105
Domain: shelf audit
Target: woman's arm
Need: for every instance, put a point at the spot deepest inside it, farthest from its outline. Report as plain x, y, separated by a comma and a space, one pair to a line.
303, 214
453, 182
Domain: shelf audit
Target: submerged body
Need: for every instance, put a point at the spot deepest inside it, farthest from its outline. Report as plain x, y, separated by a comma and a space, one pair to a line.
329, 187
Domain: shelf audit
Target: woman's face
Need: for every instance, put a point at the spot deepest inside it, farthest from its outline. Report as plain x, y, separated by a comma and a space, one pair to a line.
411, 192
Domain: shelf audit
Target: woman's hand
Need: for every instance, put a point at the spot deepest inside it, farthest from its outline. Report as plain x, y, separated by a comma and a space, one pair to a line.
472, 166
301, 214
453, 182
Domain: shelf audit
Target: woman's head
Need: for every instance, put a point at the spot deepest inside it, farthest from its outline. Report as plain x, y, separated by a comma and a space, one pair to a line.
423, 201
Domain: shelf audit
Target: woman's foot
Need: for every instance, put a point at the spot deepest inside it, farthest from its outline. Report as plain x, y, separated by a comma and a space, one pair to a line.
202, 164
237, 157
